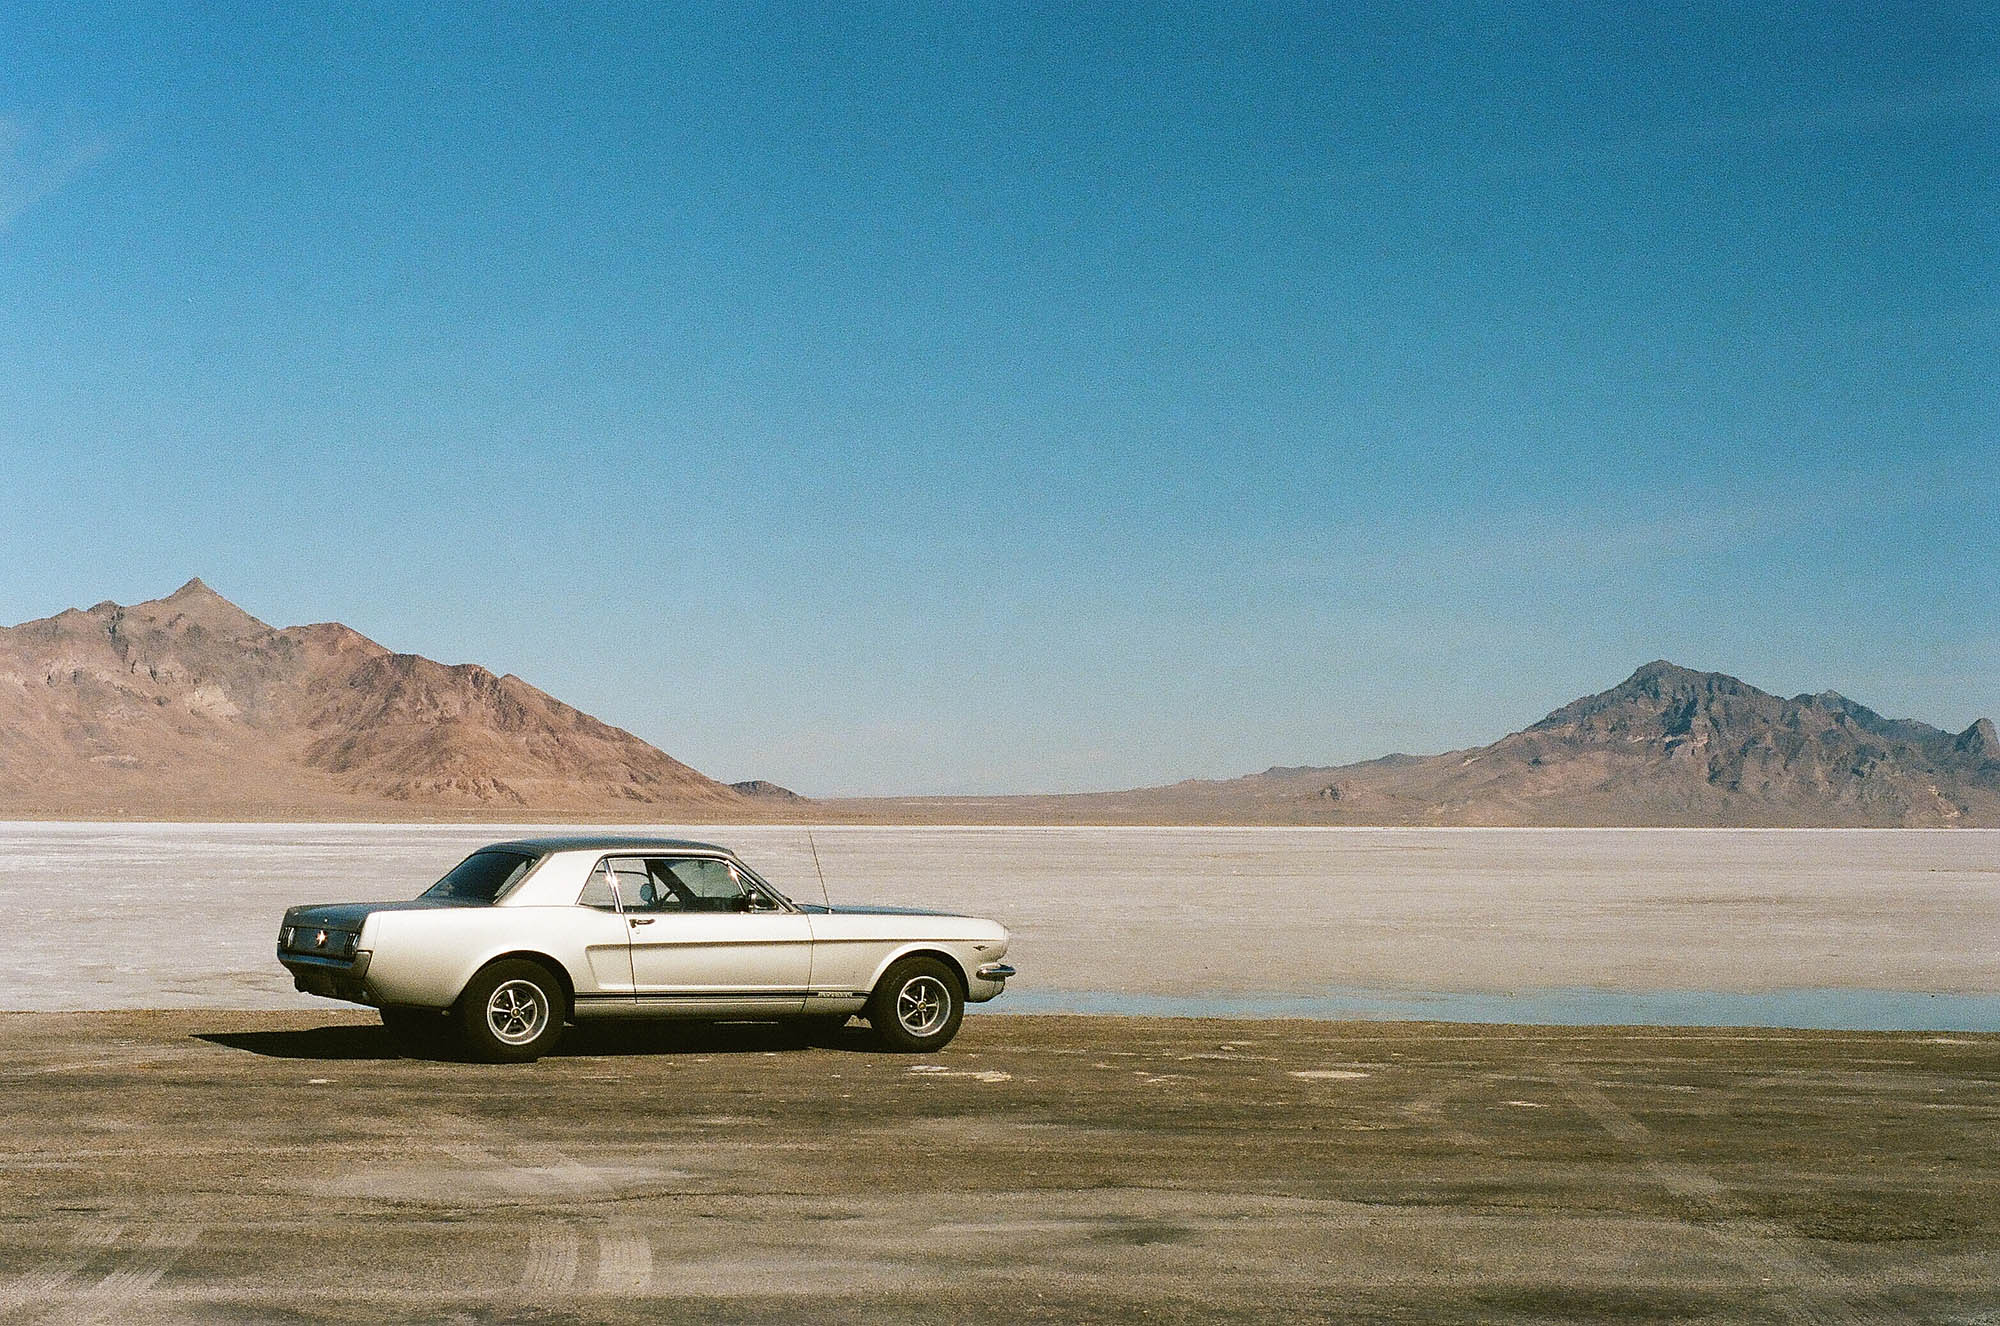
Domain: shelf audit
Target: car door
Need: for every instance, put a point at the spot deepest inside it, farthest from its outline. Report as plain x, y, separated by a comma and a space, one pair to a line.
600, 926
705, 938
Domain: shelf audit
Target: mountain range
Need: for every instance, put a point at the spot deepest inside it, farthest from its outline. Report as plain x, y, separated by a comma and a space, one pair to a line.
187, 707
1667, 746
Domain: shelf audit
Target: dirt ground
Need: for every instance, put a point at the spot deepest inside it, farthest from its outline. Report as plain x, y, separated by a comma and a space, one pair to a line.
281, 1167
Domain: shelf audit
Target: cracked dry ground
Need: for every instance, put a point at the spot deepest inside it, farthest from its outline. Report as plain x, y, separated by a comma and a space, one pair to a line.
229, 1166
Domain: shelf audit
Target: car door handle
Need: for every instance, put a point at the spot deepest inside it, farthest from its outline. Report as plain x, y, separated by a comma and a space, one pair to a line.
640, 920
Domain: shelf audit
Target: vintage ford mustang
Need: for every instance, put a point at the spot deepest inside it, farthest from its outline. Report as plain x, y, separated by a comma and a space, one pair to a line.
523, 936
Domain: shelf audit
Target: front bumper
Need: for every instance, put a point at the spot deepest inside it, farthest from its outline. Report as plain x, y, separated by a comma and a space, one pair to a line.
988, 982
332, 978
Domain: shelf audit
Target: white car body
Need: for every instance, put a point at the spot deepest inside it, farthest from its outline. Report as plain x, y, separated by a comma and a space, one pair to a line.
621, 959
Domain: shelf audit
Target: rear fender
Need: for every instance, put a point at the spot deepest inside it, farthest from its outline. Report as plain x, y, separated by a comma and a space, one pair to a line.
426, 959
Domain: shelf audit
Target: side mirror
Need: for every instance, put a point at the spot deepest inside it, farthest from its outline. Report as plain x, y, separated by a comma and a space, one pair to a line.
755, 902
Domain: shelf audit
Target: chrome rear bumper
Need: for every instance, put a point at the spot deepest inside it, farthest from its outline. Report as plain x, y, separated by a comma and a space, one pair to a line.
332, 978
994, 971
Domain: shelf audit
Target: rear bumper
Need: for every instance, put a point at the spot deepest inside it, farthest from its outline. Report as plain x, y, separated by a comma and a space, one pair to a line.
332, 978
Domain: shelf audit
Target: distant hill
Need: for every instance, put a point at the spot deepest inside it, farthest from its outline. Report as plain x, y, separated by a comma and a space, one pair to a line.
1673, 746
1667, 746
759, 789
188, 707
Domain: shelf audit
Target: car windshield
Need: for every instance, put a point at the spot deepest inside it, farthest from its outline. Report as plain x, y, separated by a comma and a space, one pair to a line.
481, 877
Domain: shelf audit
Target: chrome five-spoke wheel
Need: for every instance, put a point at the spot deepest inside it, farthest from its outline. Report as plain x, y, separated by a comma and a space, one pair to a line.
517, 1012
922, 1005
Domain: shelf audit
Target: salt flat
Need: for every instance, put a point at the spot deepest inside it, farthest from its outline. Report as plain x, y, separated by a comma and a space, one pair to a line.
1170, 919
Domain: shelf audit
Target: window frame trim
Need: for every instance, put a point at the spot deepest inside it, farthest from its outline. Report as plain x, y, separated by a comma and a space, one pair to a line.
751, 880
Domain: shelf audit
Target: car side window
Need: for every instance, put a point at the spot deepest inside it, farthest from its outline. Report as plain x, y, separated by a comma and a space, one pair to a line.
636, 889
702, 884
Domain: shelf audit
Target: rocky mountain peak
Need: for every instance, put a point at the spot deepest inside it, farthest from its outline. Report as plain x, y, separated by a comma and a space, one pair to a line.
1659, 694
1660, 672
195, 604
1979, 741
1661, 679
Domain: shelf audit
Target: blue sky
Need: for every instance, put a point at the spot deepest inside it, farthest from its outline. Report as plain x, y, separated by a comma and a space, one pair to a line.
993, 398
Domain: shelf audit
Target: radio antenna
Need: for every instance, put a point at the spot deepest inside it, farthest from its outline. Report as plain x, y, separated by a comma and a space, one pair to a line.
816, 869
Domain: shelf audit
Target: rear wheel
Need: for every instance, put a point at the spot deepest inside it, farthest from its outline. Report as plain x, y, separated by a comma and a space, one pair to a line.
917, 1006
511, 1013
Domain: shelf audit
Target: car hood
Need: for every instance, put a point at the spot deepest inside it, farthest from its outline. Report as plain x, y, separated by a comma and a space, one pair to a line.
350, 915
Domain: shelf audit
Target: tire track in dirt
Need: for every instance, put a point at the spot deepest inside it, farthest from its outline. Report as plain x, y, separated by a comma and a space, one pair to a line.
1819, 1298
50, 1280
550, 1268
554, 1265
114, 1296
1427, 1111
624, 1262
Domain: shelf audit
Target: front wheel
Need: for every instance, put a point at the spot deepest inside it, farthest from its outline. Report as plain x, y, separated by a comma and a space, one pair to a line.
512, 1013
917, 1007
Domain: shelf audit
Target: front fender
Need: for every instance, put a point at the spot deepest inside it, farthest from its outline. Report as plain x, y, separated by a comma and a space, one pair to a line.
959, 955
923, 948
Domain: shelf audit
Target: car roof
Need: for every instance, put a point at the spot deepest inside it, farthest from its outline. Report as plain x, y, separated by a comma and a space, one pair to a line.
603, 843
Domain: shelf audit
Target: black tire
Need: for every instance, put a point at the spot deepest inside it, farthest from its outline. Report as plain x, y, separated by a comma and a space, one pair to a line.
917, 1006
511, 1013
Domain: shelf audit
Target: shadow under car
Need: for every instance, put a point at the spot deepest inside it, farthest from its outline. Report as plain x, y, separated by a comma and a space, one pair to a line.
595, 1039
